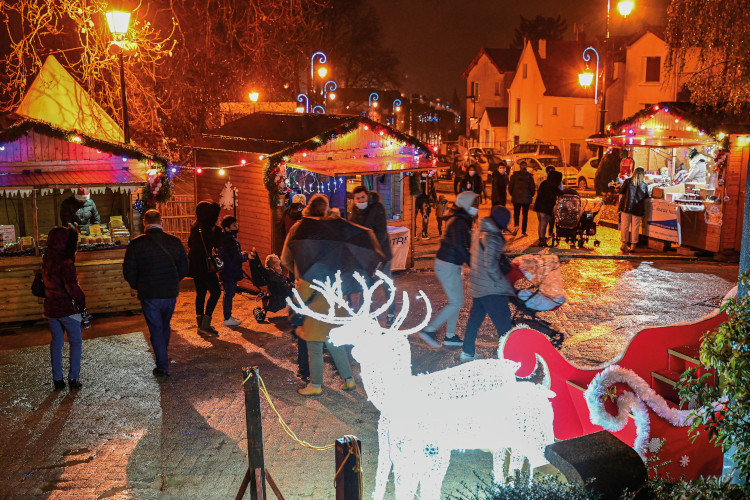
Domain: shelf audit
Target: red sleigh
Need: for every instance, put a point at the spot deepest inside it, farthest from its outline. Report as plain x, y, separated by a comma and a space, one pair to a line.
658, 356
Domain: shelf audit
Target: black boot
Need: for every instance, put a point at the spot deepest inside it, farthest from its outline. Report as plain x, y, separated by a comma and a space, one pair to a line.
59, 384
206, 327
74, 384
199, 322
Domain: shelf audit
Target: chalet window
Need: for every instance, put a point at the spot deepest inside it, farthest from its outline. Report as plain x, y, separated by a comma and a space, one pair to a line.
539, 113
525, 71
497, 88
653, 69
578, 116
575, 153
518, 111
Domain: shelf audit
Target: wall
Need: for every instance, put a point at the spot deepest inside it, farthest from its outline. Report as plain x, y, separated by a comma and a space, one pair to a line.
734, 209
638, 92
486, 73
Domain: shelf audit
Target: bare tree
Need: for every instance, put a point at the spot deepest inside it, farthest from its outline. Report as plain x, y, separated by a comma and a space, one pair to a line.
547, 28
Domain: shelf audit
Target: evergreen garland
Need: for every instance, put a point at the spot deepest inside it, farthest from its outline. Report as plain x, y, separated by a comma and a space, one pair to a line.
273, 177
158, 188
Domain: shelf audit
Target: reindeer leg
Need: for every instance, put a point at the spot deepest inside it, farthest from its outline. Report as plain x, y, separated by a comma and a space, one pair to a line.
431, 483
384, 459
409, 465
516, 461
498, 465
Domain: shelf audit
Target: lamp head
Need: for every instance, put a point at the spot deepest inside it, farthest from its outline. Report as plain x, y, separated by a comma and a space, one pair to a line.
322, 71
398, 108
254, 96
625, 7
118, 21
585, 78
332, 96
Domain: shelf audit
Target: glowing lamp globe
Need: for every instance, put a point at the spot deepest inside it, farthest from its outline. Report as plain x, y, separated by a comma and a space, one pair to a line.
585, 79
322, 71
118, 22
374, 104
398, 108
332, 96
254, 96
625, 7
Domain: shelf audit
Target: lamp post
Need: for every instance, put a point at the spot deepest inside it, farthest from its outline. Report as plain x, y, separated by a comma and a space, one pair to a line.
322, 71
328, 91
254, 99
396, 108
372, 101
118, 22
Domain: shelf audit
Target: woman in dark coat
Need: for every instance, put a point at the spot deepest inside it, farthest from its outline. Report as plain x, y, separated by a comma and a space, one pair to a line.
632, 207
544, 206
472, 181
204, 237
64, 300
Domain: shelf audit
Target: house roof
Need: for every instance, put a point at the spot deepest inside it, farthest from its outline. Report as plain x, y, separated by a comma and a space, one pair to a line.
497, 116
658, 31
560, 68
504, 60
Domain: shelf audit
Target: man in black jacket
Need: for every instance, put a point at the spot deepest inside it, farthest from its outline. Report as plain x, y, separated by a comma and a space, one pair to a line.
369, 212
154, 265
522, 189
453, 253
499, 178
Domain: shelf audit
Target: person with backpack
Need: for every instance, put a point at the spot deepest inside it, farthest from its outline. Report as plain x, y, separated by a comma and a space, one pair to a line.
204, 238
155, 263
63, 304
231, 254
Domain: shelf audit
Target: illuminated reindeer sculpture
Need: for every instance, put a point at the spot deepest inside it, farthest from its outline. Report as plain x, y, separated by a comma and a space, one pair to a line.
478, 405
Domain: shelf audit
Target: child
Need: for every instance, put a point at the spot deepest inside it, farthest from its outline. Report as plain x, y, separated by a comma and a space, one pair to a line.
279, 285
233, 257
440, 212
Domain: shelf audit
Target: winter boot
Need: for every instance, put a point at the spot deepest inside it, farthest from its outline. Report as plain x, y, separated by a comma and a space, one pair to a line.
199, 322
206, 327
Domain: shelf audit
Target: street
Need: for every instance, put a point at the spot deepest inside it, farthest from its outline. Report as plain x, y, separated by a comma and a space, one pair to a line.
126, 436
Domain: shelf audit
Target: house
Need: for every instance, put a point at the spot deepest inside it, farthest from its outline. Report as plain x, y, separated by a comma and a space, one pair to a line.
488, 78
492, 127
546, 102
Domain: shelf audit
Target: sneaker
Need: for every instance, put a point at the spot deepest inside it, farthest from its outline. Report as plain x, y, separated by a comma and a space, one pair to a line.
429, 339
310, 390
623, 247
74, 384
348, 384
632, 248
232, 321
465, 358
453, 341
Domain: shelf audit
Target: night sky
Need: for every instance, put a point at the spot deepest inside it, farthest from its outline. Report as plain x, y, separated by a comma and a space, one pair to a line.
435, 40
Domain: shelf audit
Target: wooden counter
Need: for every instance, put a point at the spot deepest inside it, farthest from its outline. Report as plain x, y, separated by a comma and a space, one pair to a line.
99, 274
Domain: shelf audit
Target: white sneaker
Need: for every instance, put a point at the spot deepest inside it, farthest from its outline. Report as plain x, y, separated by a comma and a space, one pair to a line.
465, 358
232, 322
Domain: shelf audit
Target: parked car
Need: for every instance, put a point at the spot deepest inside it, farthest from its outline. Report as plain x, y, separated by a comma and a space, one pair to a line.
538, 166
582, 178
532, 149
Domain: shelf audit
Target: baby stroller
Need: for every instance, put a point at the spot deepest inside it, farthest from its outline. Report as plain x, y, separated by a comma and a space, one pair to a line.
574, 219
273, 289
544, 290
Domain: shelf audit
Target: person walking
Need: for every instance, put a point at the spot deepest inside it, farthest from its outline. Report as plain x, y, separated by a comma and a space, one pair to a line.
499, 182
472, 181
544, 206
454, 252
155, 263
231, 254
632, 207
441, 209
63, 303
204, 238
312, 331
369, 212
458, 171
488, 285
521, 188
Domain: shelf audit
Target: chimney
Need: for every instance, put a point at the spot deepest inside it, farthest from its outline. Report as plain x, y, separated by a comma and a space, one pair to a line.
543, 48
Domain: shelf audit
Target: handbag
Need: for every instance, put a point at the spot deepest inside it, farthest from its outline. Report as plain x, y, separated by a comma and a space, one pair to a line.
296, 319
213, 262
37, 286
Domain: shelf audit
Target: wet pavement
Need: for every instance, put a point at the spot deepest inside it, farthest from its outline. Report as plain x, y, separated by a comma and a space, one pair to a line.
126, 436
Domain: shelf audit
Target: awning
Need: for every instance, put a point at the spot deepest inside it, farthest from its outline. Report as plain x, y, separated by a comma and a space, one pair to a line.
647, 141
365, 166
69, 179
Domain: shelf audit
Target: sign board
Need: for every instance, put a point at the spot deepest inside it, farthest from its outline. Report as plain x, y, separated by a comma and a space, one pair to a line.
8, 234
662, 220
399, 237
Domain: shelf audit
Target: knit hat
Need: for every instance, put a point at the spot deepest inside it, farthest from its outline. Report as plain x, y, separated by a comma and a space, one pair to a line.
299, 198
466, 199
82, 194
228, 221
501, 216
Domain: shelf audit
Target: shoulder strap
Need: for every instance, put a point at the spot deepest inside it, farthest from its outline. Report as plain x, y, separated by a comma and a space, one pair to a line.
163, 249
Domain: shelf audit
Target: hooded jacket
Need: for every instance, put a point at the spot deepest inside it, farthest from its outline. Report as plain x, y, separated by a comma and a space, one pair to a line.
548, 192
73, 212
522, 187
455, 244
485, 277
373, 217
206, 214
59, 274
231, 254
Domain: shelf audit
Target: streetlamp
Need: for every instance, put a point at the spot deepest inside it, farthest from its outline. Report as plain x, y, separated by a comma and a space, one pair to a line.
118, 22
396, 108
372, 101
322, 71
254, 98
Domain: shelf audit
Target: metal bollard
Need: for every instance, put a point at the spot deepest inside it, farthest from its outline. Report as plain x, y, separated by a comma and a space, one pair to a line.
348, 480
256, 472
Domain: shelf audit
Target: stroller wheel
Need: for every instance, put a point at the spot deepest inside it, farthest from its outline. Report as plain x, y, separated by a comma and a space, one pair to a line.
259, 314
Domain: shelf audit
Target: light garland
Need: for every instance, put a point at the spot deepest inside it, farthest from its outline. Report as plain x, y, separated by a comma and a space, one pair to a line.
636, 403
478, 405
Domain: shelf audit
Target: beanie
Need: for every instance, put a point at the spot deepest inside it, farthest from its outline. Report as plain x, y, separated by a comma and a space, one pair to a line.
228, 221
466, 199
500, 216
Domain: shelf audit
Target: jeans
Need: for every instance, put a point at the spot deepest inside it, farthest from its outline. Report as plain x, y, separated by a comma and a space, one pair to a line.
494, 305
158, 314
449, 276
230, 289
542, 229
211, 285
630, 228
517, 209
340, 359
58, 327
303, 360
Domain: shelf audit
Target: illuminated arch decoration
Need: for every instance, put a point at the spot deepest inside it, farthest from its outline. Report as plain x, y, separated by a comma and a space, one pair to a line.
477, 405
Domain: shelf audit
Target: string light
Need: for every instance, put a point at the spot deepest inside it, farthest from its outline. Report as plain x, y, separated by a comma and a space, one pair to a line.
242, 162
221, 171
198, 170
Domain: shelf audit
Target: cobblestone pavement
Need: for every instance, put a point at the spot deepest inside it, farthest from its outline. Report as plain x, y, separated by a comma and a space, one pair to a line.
126, 436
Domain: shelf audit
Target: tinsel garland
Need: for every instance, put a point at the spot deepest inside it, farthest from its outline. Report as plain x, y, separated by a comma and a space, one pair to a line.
275, 184
628, 402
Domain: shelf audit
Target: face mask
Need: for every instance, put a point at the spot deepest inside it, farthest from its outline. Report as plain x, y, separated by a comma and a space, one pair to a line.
362, 205
473, 211
472, 172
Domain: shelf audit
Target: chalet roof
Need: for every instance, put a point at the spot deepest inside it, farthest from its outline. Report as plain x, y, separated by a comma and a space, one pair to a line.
560, 68
503, 59
711, 121
369, 166
280, 127
497, 116
70, 179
